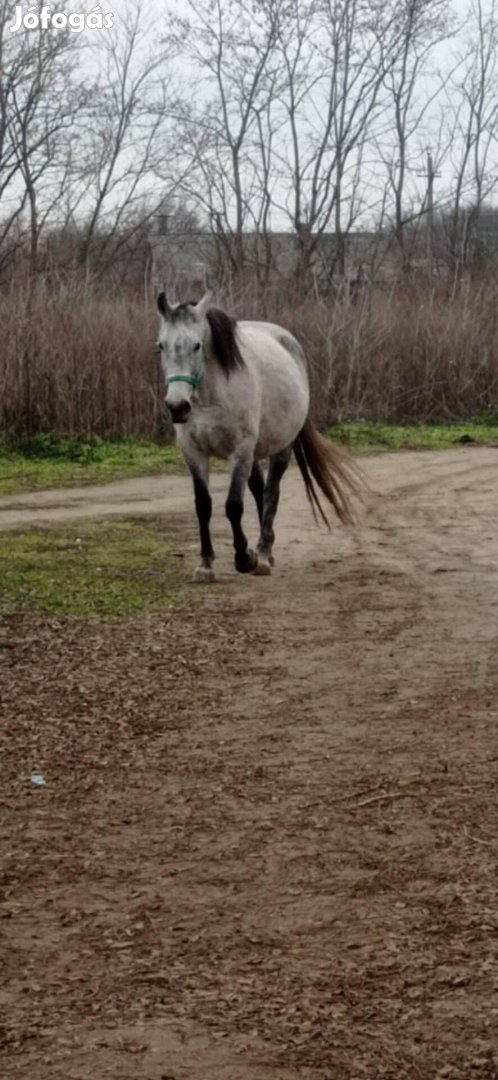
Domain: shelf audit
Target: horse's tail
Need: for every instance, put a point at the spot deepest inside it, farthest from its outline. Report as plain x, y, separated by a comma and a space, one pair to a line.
324, 464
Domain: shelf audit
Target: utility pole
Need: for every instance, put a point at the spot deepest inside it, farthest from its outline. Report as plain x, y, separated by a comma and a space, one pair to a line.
430, 209
430, 173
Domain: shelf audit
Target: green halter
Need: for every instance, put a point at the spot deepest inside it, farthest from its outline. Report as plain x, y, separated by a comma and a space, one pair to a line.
194, 380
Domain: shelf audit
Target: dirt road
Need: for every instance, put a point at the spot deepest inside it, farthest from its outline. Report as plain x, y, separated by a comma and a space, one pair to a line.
267, 848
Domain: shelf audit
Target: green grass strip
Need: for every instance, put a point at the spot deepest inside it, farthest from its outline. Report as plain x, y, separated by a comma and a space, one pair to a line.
47, 462
50, 463
361, 437
90, 568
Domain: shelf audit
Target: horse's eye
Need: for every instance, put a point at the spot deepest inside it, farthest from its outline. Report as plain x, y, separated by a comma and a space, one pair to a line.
197, 347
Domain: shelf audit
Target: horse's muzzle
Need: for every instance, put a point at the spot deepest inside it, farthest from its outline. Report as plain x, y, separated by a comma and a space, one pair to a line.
179, 412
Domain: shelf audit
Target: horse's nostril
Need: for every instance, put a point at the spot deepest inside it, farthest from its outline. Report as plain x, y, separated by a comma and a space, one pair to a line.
179, 411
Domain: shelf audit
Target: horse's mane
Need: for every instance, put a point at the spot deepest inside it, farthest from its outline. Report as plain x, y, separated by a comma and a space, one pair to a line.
224, 341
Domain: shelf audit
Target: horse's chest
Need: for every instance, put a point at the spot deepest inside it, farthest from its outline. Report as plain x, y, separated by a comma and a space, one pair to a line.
213, 436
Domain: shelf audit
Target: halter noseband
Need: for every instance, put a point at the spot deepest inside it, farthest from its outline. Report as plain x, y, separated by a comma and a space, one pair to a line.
193, 380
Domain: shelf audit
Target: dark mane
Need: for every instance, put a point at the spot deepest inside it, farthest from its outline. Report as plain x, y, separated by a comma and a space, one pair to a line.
224, 341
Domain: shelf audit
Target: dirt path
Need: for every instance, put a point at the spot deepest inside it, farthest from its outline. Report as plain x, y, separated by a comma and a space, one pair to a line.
268, 845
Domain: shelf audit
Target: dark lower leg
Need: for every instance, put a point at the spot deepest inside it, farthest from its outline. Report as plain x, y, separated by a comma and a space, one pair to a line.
245, 560
203, 506
278, 465
257, 488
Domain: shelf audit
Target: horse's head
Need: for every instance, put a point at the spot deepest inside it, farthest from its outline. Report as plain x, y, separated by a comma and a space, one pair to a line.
181, 336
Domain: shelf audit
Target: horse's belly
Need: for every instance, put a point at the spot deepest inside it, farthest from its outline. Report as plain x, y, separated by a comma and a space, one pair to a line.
268, 445
281, 421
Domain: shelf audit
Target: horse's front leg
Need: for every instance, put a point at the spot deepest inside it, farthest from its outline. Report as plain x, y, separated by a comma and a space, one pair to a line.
199, 470
246, 560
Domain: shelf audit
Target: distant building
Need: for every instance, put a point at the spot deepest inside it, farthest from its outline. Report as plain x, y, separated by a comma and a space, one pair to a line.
198, 257
487, 232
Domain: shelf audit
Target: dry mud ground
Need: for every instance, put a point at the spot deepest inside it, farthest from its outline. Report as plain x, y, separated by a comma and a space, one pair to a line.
268, 844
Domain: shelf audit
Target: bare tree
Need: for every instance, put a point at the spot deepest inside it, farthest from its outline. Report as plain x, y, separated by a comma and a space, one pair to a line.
472, 108
83, 133
335, 59
43, 109
123, 135
419, 25
232, 47
39, 101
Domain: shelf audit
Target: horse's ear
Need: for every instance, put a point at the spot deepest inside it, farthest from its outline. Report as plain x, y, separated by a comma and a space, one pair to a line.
203, 306
162, 303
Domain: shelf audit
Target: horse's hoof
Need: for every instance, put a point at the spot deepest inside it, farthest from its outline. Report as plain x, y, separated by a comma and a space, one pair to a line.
266, 558
247, 563
204, 574
263, 568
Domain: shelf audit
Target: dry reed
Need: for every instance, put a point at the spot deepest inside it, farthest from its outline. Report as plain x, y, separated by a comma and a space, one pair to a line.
75, 362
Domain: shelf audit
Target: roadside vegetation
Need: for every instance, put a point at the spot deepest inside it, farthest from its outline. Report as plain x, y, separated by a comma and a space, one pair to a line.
47, 462
79, 365
363, 438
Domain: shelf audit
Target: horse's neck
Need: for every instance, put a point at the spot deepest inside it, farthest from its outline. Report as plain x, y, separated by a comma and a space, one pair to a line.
210, 386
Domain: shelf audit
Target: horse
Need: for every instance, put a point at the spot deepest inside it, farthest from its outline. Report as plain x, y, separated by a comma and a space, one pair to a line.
239, 391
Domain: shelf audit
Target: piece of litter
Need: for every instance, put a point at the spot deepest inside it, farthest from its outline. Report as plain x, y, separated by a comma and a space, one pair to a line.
38, 780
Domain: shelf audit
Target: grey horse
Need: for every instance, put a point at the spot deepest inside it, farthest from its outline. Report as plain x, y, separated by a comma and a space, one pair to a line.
239, 391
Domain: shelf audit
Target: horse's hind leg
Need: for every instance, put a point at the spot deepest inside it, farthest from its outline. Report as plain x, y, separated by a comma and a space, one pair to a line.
277, 467
257, 488
245, 560
199, 469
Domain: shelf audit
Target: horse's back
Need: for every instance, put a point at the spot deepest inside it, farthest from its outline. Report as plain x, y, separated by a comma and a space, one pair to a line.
278, 334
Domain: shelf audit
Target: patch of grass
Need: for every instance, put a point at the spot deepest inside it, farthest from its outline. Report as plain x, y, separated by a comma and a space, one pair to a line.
47, 462
90, 568
361, 437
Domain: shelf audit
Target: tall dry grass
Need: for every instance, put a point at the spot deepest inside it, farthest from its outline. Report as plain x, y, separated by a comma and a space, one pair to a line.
403, 354
76, 362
